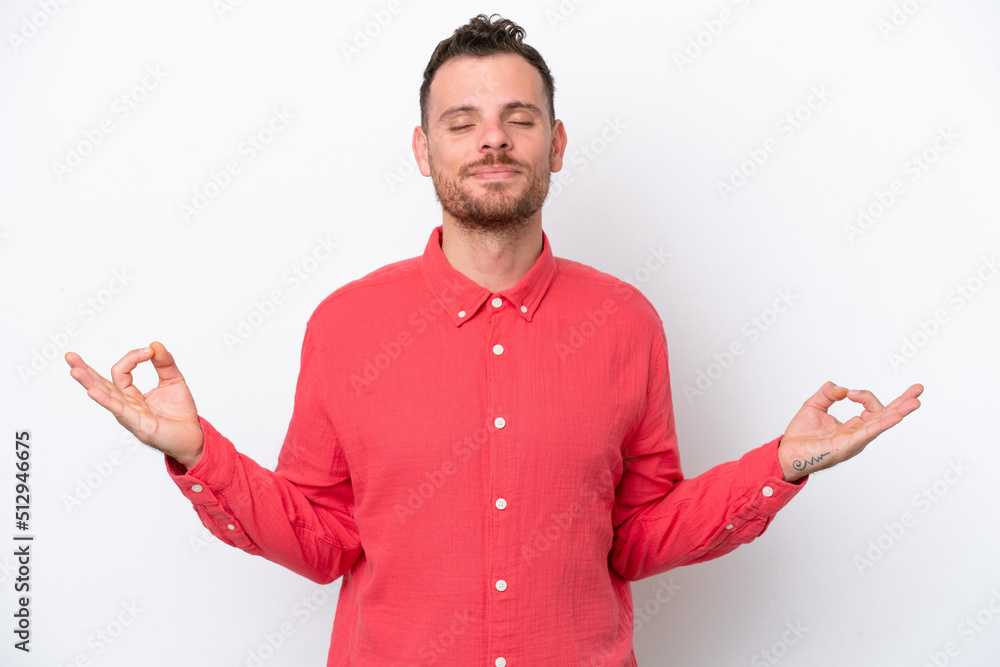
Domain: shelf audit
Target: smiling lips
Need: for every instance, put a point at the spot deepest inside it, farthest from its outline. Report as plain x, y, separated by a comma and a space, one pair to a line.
495, 173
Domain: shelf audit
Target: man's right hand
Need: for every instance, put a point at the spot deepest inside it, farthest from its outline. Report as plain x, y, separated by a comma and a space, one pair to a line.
164, 418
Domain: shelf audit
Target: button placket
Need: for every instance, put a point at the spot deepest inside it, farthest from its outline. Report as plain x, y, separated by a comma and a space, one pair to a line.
497, 366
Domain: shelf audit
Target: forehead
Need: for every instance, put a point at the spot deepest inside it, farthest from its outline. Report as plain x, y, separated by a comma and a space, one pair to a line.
484, 82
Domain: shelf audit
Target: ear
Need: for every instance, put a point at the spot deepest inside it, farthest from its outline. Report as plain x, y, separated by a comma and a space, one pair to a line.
420, 150
558, 146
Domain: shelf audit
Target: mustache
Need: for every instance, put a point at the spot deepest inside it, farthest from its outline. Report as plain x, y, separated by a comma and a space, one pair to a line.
490, 160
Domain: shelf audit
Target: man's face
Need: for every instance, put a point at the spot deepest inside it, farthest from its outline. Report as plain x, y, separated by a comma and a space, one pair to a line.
490, 145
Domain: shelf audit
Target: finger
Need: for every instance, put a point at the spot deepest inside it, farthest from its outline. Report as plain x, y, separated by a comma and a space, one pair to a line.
104, 392
123, 410
109, 401
827, 395
907, 407
912, 392
121, 372
74, 359
76, 363
164, 364
875, 427
84, 374
867, 399
906, 403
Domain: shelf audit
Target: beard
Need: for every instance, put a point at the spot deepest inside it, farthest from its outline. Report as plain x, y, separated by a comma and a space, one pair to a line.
499, 212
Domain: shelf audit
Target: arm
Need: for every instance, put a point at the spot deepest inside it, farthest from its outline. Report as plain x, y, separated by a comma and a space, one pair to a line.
299, 516
663, 520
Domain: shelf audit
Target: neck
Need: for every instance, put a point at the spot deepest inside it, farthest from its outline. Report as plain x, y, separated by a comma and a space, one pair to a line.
494, 261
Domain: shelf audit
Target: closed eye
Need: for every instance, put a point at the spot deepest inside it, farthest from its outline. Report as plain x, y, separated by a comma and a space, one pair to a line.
522, 123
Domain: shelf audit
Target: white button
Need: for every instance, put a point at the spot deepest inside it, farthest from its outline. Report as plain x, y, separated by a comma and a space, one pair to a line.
729, 527
501, 503
499, 422
524, 309
500, 662
501, 585
767, 491
497, 302
461, 313
498, 349
231, 527
196, 488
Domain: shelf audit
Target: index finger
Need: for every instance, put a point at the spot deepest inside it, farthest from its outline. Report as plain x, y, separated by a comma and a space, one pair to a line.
121, 372
827, 395
867, 399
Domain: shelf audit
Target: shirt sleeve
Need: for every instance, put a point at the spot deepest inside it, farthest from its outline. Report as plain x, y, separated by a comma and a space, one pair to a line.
663, 520
301, 514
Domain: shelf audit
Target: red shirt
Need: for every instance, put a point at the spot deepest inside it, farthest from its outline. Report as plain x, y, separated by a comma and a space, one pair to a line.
487, 471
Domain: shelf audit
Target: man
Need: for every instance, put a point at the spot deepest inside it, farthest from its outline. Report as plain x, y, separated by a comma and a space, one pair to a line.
486, 490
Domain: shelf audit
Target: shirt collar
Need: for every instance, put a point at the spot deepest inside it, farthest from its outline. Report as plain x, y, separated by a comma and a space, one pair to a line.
461, 298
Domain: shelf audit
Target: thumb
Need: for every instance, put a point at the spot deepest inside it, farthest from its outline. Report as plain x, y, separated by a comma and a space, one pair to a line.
163, 362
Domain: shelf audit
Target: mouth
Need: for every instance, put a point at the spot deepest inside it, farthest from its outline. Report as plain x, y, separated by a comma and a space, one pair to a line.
495, 173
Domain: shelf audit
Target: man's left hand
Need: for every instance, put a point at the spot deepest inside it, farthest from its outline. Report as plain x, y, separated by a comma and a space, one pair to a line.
815, 440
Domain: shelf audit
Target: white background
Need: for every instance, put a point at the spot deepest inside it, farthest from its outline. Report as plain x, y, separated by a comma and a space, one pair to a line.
838, 561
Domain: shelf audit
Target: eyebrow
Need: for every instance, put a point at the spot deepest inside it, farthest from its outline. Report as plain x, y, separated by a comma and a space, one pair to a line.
465, 108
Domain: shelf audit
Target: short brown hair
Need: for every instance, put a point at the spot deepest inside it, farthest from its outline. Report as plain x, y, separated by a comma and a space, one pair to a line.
482, 37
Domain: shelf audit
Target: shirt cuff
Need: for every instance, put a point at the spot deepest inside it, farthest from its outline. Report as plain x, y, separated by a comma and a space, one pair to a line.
205, 485
214, 468
763, 476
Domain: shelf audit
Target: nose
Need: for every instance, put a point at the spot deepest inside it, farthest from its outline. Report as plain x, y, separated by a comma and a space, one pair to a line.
494, 136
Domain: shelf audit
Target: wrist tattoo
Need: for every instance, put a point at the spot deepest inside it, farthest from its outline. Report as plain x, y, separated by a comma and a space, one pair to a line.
801, 465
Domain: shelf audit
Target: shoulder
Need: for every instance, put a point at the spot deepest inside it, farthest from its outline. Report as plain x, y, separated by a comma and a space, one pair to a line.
610, 293
382, 284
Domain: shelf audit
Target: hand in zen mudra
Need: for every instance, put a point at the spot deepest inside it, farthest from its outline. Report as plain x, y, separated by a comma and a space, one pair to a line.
815, 440
164, 418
